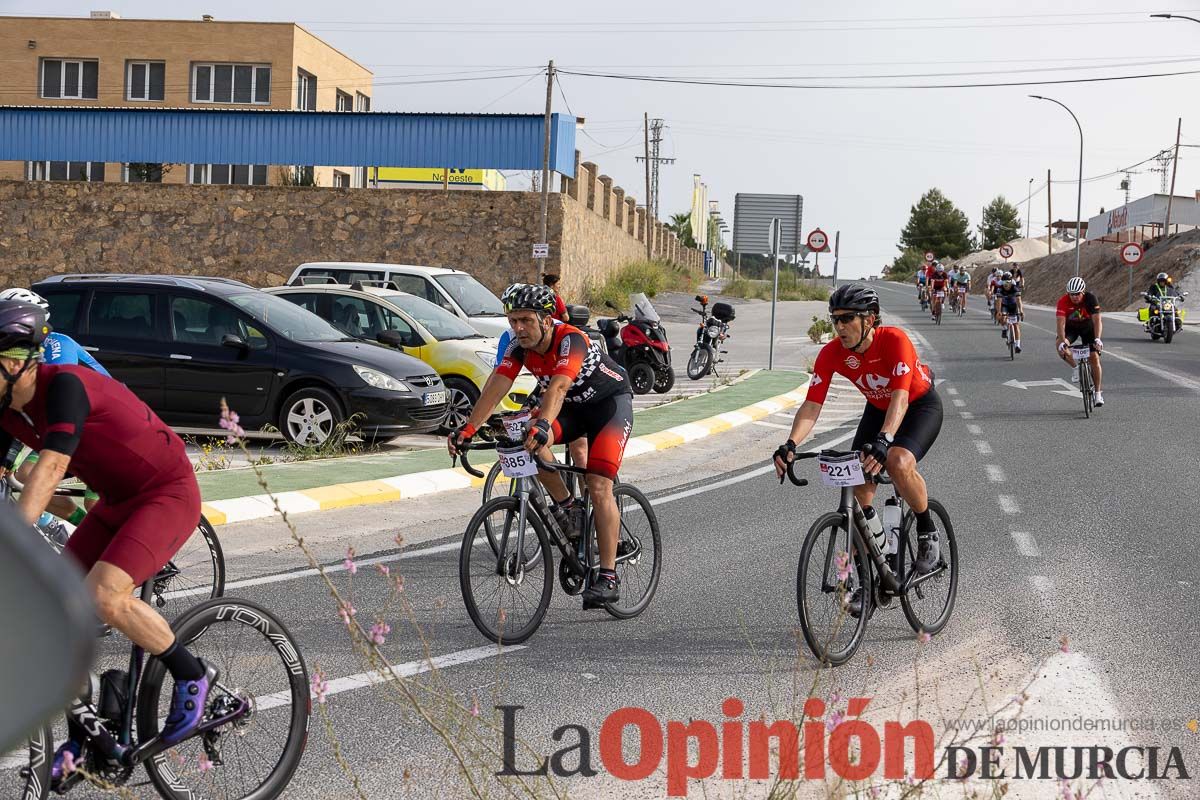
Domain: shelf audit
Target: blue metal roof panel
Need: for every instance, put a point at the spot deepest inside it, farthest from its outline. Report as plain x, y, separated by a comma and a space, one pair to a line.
220, 136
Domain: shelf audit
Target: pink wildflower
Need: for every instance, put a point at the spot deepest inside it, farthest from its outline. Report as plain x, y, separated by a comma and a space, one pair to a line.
320, 686
346, 611
229, 421
843, 566
835, 719
383, 569
379, 632
474, 706
923, 637
68, 762
399, 539
1064, 645
204, 764
349, 564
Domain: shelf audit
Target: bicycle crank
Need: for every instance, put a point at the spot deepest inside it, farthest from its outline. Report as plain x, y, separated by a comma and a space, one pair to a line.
571, 582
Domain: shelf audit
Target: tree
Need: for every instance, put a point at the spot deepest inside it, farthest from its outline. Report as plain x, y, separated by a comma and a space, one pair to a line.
681, 224
906, 264
935, 225
1000, 223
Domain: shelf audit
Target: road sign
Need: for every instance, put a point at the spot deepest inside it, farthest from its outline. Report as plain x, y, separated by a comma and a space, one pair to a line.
752, 215
818, 242
1006, 251
541, 250
1131, 253
929, 258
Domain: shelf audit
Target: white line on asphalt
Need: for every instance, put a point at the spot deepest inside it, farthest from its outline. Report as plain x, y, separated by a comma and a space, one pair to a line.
959, 402
1026, 544
950, 390
974, 430
1171, 377
983, 447
773, 425
407, 670
966, 415
995, 474
1044, 587
1008, 505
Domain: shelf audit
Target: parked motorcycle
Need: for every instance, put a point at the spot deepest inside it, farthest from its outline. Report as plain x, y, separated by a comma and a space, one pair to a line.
1163, 317
640, 346
579, 317
713, 331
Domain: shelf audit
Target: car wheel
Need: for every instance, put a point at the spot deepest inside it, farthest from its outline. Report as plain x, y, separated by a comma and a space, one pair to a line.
309, 416
461, 396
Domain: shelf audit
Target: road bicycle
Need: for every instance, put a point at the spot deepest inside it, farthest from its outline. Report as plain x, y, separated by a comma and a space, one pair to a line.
954, 302
839, 542
1010, 334
938, 303
253, 733
195, 572
506, 566
1087, 387
961, 306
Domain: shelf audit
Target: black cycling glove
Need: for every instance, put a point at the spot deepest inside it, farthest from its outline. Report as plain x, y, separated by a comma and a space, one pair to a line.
540, 432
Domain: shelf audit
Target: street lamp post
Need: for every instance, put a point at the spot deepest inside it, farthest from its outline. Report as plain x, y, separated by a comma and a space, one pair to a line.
1174, 16
1028, 201
1079, 196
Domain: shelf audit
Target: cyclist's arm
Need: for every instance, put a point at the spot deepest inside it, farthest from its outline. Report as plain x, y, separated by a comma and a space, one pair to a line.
494, 389
67, 409
552, 399
1060, 323
1097, 324
48, 472
805, 420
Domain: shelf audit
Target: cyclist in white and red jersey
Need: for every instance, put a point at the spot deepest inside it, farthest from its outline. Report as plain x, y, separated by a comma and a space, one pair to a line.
903, 415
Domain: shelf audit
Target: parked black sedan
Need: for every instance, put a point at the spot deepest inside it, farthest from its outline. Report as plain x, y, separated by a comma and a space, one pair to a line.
181, 344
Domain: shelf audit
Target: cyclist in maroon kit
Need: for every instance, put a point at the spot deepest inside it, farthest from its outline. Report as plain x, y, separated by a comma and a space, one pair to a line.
99, 431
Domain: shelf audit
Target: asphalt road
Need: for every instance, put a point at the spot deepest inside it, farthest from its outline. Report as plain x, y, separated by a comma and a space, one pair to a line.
1067, 527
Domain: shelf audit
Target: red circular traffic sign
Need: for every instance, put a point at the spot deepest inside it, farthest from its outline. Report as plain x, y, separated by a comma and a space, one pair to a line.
929, 257
1006, 251
818, 241
1131, 253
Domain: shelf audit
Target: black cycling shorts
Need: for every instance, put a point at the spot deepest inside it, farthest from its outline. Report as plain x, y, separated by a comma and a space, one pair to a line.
918, 430
1086, 334
606, 423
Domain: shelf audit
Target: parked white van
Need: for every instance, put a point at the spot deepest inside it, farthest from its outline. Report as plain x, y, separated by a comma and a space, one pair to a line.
454, 290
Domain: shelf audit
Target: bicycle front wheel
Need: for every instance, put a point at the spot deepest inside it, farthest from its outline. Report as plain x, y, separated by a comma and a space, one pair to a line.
255, 754
639, 553
1085, 387
831, 631
506, 582
196, 572
929, 604
25, 774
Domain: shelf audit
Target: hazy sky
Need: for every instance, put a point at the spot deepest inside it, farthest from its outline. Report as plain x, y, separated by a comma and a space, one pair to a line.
860, 157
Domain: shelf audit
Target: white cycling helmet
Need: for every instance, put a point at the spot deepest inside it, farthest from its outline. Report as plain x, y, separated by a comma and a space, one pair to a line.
26, 296
1076, 285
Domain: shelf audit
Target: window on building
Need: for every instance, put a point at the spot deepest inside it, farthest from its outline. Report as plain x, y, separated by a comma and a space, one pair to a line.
361, 102
144, 172
341, 180
65, 171
244, 84
144, 80
228, 174
304, 176
70, 79
344, 102
306, 91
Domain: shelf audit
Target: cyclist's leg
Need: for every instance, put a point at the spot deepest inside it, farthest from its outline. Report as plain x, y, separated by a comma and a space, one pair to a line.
1088, 337
868, 428
611, 424
579, 450
565, 428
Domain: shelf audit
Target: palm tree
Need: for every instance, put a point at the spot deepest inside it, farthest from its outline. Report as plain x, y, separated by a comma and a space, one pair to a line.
681, 224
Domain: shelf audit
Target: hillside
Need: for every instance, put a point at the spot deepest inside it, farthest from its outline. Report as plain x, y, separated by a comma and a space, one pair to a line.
1100, 265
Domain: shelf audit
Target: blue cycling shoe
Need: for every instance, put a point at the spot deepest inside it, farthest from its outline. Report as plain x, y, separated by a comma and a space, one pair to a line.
187, 705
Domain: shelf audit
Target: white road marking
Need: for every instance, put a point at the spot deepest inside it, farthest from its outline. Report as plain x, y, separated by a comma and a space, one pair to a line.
983, 447
951, 391
974, 430
1044, 587
773, 425
1026, 544
966, 415
995, 474
1008, 505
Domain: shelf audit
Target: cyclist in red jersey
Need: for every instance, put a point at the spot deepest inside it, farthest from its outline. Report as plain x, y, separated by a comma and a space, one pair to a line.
938, 285
1077, 316
149, 505
903, 415
584, 394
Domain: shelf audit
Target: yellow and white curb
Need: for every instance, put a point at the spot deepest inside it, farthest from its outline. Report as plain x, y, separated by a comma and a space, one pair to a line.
418, 484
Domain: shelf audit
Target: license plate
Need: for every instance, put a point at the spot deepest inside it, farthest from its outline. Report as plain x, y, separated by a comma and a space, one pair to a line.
435, 398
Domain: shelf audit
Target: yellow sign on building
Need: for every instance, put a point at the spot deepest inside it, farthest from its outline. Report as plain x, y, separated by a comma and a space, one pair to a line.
483, 178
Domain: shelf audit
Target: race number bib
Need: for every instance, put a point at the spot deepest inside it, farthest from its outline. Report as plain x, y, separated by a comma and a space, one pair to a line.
940, 293
1080, 353
514, 425
516, 462
841, 470
1013, 319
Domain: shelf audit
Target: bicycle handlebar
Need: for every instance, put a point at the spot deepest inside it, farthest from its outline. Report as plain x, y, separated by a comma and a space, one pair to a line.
543, 465
881, 479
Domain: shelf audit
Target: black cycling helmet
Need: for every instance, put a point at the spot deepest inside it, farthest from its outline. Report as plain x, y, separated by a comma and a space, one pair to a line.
22, 325
854, 297
528, 297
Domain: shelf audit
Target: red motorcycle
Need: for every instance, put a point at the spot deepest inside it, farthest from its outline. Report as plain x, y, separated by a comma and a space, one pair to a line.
640, 346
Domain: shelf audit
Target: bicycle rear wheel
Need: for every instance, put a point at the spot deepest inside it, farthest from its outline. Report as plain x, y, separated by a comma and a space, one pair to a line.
196, 572
831, 632
1085, 387
929, 604
639, 553
505, 587
1012, 353
255, 755
25, 772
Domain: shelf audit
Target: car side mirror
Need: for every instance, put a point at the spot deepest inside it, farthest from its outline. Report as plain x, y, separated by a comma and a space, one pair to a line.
398, 339
234, 341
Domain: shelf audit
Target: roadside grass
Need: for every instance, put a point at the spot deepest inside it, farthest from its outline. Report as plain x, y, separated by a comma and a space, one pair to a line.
761, 290
215, 452
650, 277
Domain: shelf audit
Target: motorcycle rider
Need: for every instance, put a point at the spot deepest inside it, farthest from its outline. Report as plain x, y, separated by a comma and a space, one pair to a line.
1163, 286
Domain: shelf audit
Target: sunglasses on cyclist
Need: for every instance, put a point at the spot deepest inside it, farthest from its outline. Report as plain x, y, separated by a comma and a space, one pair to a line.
1074, 294
843, 319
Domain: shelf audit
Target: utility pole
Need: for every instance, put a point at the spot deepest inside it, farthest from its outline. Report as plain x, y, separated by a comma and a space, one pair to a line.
546, 161
1174, 168
654, 129
1049, 219
1028, 207
647, 217
837, 246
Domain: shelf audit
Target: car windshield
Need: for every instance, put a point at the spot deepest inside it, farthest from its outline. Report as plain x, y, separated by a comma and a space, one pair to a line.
471, 295
287, 319
440, 323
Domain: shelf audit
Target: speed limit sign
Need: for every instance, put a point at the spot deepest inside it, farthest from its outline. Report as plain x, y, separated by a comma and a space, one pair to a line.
1131, 253
818, 242
1006, 251
929, 257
